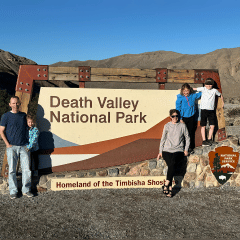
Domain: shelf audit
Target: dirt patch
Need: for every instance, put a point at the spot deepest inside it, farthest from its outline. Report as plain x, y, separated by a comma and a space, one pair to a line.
123, 214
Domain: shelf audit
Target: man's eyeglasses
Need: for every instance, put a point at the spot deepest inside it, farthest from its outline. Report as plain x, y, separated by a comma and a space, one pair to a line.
174, 116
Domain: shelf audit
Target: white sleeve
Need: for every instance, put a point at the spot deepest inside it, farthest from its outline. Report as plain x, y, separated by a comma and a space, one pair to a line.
217, 93
200, 89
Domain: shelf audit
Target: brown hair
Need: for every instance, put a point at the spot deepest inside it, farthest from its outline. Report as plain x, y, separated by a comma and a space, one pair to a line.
172, 111
32, 117
209, 81
187, 86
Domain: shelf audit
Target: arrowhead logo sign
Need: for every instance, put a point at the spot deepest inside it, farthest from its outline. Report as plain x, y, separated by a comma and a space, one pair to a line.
223, 162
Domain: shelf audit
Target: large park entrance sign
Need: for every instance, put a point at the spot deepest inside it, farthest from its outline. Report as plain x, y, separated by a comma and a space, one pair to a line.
105, 126
96, 128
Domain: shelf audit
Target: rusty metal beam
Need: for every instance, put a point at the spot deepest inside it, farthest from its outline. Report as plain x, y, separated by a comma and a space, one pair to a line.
161, 75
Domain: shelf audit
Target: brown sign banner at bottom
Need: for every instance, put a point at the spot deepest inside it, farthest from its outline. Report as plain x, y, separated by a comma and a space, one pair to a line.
223, 162
60, 184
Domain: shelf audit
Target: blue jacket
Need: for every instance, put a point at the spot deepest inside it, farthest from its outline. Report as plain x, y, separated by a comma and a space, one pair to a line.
187, 105
33, 139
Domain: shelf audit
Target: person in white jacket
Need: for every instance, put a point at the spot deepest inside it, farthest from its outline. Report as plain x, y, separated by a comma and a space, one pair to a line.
207, 107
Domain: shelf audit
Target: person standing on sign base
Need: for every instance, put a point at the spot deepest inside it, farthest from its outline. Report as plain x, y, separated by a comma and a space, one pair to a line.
173, 147
208, 112
186, 105
13, 130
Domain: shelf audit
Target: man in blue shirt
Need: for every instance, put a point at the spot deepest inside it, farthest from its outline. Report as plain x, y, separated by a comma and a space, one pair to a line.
13, 130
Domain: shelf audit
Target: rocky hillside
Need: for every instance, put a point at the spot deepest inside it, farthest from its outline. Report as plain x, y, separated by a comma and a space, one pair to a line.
9, 65
226, 60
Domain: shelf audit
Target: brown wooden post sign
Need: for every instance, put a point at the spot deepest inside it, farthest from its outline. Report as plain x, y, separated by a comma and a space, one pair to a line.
89, 128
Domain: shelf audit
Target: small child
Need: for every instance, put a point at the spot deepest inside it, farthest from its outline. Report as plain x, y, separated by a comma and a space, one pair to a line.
207, 109
186, 105
33, 142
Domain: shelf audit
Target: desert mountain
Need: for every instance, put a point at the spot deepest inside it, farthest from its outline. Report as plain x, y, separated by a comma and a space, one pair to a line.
9, 65
226, 60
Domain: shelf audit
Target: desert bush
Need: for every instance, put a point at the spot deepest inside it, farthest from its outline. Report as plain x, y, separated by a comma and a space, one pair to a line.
4, 102
33, 104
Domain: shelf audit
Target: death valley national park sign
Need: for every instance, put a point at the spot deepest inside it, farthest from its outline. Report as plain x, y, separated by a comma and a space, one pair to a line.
97, 128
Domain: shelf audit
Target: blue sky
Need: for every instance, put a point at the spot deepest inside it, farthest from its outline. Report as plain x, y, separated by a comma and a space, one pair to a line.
52, 31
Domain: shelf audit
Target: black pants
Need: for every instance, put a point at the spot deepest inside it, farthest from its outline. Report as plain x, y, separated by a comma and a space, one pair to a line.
191, 125
172, 160
34, 161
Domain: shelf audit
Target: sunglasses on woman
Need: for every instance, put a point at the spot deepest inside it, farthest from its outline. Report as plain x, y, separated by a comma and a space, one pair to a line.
174, 116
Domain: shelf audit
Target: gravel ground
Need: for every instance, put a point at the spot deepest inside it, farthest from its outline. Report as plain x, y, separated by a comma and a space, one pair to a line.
123, 214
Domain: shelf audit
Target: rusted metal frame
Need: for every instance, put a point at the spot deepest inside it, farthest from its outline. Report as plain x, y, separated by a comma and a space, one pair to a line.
222, 134
84, 75
202, 74
199, 76
29, 73
161, 77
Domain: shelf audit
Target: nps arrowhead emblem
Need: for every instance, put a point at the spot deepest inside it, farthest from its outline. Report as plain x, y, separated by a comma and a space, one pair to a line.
223, 162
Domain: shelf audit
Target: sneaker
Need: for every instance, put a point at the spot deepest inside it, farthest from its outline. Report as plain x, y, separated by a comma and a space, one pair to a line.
28, 194
13, 196
212, 142
206, 143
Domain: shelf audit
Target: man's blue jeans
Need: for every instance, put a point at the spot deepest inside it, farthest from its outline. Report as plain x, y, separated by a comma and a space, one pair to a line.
13, 153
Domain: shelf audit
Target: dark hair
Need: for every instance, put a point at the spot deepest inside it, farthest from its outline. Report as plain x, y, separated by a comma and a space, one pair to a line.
209, 81
172, 111
186, 85
16, 97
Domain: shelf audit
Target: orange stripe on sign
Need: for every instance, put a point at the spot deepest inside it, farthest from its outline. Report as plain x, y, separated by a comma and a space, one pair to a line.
101, 147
